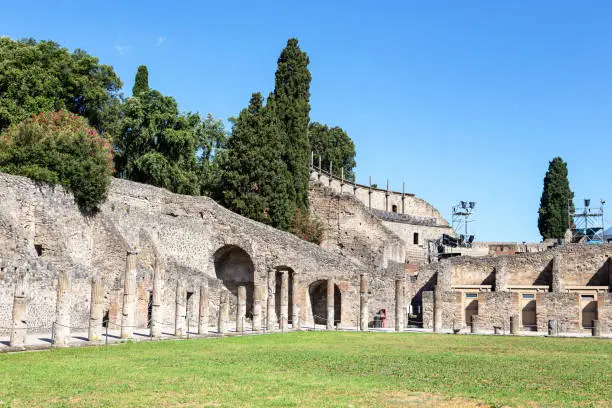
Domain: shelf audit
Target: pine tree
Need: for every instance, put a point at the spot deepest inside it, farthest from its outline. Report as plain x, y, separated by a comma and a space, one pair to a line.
553, 219
254, 177
141, 83
291, 105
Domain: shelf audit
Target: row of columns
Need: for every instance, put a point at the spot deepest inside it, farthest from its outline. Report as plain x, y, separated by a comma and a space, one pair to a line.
128, 311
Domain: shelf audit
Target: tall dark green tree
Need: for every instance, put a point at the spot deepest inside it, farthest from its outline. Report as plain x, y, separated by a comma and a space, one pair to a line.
255, 179
42, 76
291, 105
332, 145
141, 83
553, 219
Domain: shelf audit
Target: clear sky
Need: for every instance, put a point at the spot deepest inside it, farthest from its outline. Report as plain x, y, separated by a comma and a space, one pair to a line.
462, 100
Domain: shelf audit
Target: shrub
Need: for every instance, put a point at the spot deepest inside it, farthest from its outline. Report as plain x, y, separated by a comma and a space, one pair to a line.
60, 148
306, 227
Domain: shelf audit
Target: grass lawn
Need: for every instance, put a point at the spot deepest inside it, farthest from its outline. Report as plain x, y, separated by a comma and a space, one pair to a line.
317, 369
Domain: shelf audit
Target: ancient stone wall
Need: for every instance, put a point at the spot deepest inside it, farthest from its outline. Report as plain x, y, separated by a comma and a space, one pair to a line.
42, 229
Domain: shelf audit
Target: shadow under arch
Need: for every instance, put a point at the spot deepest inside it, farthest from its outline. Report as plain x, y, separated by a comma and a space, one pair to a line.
318, 302
234, 267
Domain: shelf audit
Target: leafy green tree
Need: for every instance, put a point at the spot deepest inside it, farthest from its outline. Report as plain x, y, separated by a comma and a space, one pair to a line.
141, 83
254, 176
553, 219
60, 148
42, 76
291, 105
156, 144
333, 144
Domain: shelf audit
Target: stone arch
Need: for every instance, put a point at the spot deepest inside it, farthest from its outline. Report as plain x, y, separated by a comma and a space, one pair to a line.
234, 267
317, 292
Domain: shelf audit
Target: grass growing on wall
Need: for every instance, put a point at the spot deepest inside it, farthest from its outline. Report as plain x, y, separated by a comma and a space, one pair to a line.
317, 369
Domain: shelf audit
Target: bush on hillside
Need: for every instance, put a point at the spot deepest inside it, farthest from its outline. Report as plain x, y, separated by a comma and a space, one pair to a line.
60, 148
306, 227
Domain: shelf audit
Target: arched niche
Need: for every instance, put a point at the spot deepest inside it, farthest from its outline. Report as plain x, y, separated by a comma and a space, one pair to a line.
234, 267
318, 302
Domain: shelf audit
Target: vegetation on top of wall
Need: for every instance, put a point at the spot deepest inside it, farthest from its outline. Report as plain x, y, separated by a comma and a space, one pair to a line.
261, 172
553, 218
42, 76
60, 148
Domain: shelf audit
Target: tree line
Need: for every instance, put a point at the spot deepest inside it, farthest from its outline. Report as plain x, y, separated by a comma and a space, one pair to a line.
259, 168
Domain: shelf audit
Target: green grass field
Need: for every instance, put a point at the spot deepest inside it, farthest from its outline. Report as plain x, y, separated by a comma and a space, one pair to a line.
317, 369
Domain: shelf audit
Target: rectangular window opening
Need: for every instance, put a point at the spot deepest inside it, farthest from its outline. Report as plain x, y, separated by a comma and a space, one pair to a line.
415, 238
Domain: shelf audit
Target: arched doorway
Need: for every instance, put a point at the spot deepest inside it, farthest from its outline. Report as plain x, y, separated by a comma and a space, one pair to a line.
318, 302
234, 267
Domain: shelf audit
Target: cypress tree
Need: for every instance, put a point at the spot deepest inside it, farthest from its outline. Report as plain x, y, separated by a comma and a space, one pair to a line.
291, 105
553, 219
254, 177
141, 83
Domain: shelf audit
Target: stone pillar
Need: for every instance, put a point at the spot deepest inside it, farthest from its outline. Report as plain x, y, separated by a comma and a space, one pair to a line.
501, 276
444, 278
180, 312
400, 309
241, 309
514, 323
296, 321
158, 294
270, 309
62, 316
330, 304
295, 306
19, 332
96, 308
437, 309
203, 312
223, 311
474, 324
552, 326
596, 330
284, 300
556, 274
257, 300
363, 303
128, 310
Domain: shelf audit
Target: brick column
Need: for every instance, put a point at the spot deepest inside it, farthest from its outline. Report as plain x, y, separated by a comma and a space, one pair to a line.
128, 311
19, 332
330, 304
180, 312
400, 309
363, 303
295, 306
96, 308
223, 311
203, 310
257, 300
62, 317
270, 309
159, 273
284, 300
241, 309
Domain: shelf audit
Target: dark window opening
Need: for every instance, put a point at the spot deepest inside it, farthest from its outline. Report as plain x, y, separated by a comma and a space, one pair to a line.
39, 249
105, 319
394, 208
415, 238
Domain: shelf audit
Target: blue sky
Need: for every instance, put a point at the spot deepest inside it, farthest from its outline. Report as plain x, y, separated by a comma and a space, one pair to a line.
461, 100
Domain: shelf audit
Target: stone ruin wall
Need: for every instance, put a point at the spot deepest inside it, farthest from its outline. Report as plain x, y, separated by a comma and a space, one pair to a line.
412, 205
187, 232
429, 225
578, 268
